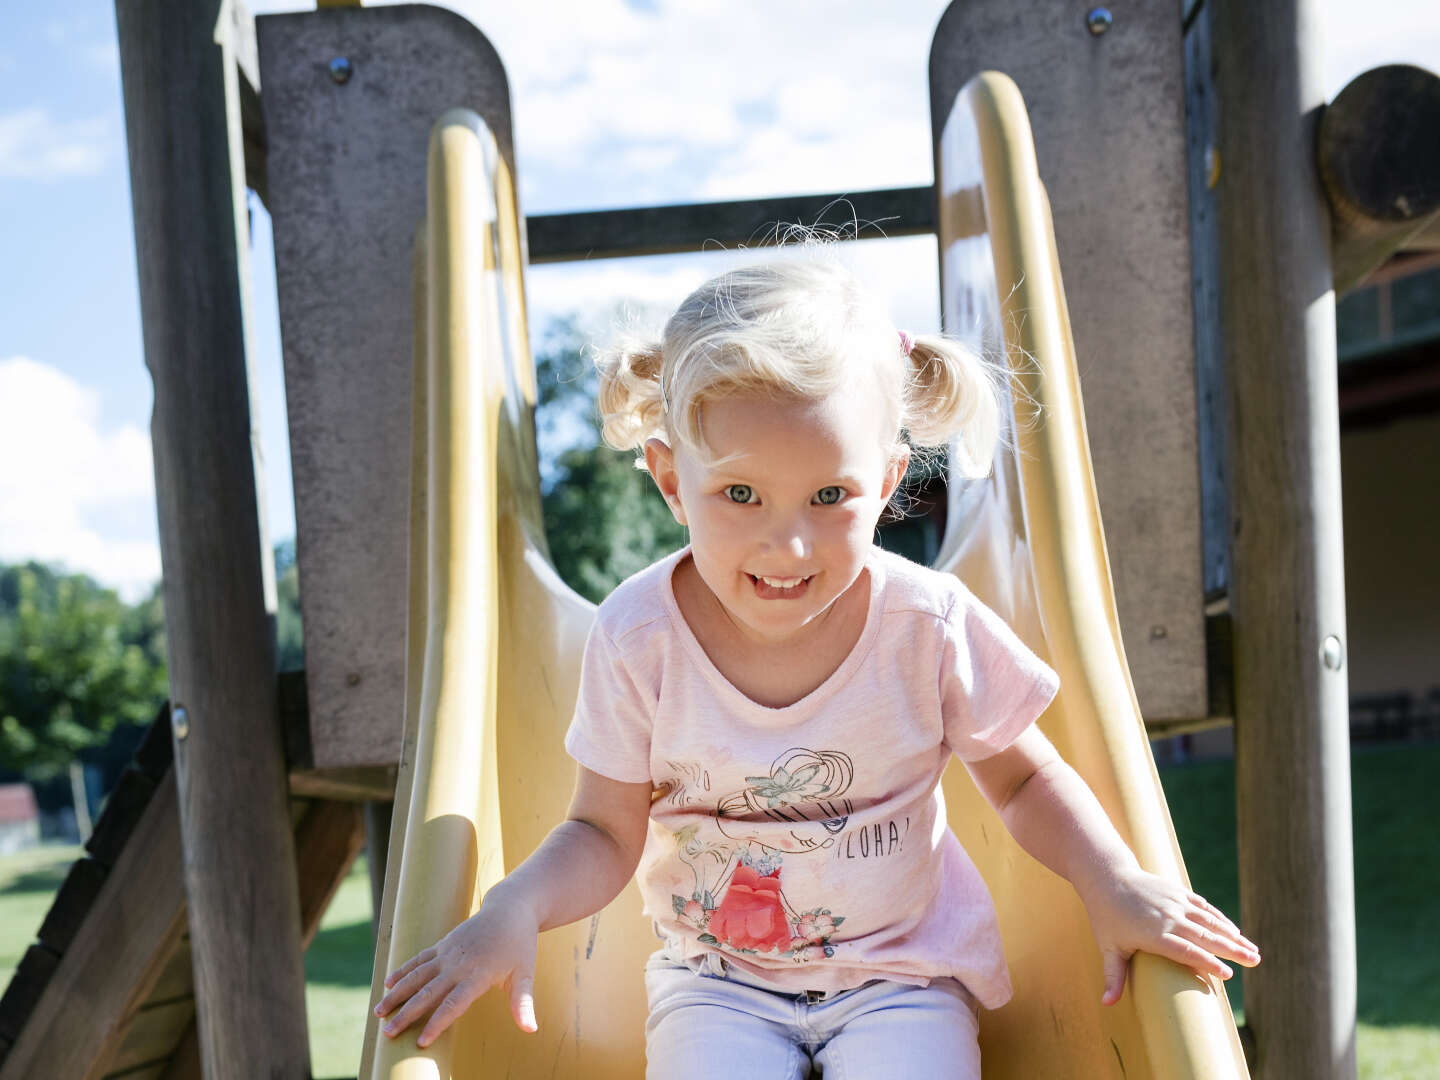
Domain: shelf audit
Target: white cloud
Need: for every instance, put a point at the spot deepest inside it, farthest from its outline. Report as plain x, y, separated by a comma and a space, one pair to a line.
63, 471
33, 145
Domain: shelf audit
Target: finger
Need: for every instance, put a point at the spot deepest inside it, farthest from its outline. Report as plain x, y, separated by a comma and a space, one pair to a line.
1226, 924
1174, 947
446, 1013
1220, 942
407, 986
1116, 966
416, 1007
423, 956
522, 1002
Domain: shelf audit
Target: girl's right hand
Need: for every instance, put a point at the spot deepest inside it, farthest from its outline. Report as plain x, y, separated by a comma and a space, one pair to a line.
494, 946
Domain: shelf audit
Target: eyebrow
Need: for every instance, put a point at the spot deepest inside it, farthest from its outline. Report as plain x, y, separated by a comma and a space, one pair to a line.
845, 480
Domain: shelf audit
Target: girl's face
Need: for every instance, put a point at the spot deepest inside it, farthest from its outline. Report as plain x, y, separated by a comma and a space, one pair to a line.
782, 518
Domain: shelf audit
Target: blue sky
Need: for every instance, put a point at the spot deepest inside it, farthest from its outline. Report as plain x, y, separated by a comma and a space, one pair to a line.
623, 109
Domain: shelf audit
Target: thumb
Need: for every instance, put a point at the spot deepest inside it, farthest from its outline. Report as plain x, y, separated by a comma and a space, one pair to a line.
522, 1000
1116, 966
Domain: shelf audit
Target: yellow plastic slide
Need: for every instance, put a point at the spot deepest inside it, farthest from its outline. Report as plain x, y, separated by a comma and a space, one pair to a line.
496, 638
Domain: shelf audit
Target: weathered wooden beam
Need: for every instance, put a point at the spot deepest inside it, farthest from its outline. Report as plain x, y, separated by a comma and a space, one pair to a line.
1379, 159
1287, 586
116, 956
182, 117
663, 230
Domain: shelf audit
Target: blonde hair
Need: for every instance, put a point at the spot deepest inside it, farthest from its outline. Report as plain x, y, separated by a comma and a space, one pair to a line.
801, 327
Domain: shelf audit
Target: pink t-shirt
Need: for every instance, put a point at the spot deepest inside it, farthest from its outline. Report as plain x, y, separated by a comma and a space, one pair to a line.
809, 844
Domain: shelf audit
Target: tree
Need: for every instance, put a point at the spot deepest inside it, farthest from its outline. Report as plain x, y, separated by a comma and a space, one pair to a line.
76, 662
604, 519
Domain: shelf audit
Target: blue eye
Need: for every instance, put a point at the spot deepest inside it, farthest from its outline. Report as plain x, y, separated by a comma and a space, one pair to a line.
829, 496
740, 493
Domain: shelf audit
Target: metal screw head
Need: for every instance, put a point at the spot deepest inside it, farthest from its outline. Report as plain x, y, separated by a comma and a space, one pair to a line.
341, 69
1099, 20
180, 722
1212, 167
1332, 653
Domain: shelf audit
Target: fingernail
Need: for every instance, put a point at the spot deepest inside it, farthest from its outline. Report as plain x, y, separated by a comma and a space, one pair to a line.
1227, 970
389, 1029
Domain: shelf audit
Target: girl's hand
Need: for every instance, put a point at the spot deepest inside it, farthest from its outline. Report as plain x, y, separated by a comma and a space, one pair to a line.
1136, 910
495, 945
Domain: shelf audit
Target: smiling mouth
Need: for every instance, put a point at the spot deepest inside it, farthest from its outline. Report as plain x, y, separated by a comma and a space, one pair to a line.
779, 588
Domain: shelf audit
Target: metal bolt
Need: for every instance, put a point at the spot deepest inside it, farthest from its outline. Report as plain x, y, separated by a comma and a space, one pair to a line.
1212, 167
1157, 632
1099, 20
1332, 653
180, 722
352, 679
341, 70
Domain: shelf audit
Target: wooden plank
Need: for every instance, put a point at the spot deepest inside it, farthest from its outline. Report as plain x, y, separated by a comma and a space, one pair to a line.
346, 166
356, 784
331, 835
1287, 599
182, 115
176, 978
116, 957
153, 1071
156, 752
185, 1063
657, 230
321, 846
25, 990
152, 1034
123, 809
1107, 112
72, 903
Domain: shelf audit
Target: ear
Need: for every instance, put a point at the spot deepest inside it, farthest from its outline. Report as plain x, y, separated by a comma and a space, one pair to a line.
896, 471
660, 460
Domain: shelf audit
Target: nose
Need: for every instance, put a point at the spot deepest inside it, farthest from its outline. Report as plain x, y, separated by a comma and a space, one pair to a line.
790, 535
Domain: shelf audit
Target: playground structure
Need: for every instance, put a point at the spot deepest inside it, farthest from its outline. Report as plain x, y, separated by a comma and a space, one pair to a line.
342, 170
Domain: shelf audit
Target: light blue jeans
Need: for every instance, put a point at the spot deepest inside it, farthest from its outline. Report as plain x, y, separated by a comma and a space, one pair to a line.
711, 1021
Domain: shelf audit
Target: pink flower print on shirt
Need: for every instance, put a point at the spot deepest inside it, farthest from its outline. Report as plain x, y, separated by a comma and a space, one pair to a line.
750, 915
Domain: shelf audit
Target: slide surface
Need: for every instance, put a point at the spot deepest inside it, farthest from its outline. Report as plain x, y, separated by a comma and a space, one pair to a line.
496, 639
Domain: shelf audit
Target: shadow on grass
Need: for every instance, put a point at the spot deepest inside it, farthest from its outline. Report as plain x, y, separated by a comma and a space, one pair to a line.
1395, 802
42, 879
341, 956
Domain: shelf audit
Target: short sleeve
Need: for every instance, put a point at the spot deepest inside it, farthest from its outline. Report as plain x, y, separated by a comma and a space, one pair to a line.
992, 686
610, 731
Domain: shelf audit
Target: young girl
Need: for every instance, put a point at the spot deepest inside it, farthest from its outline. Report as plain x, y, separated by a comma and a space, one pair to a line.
764, 717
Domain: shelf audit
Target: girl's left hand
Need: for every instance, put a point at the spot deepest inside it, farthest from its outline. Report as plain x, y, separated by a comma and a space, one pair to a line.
1137, 911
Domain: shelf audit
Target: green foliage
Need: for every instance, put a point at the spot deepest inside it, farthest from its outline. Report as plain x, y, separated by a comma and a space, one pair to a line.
289, 639
76, 662
604, 519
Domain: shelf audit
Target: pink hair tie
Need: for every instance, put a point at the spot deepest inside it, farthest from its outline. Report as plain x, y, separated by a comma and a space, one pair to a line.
907, 343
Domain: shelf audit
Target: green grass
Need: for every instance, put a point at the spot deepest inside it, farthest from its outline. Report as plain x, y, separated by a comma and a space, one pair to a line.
1397, 893
337, 978
1397, 897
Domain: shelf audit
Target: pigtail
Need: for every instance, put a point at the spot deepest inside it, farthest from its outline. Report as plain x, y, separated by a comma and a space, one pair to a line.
629, 397
953, 391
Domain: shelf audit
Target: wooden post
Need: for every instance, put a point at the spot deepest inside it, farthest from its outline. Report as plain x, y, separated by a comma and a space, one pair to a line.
1287, 594
186, 174
1380, 166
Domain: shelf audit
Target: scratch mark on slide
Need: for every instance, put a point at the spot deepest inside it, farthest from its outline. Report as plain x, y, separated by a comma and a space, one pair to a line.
594, 929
